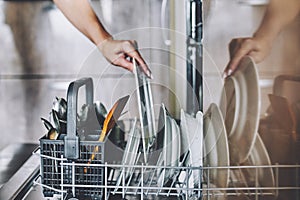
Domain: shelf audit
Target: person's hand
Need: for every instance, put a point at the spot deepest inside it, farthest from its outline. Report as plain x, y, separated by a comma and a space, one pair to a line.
121, 53
255, 47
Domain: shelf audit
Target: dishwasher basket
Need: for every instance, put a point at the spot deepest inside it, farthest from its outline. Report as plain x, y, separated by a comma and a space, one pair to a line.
60, 177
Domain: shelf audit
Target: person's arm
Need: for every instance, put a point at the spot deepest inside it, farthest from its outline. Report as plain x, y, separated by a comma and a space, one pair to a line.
278, 14
82, 16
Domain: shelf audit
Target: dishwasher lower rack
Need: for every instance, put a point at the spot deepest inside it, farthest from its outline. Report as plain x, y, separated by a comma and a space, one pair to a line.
109, 181
58, 173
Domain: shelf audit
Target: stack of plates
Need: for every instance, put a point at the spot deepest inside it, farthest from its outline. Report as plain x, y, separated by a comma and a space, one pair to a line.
192, 141
170, 141
130, 156
230, 133
240, 106
259, 157
216, 153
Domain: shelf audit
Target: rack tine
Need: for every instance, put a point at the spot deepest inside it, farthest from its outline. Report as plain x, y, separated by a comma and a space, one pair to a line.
234, 175
149, 176
181, 184
131, 171
111, 174
178, 171
199, 182
160, 169
119, 180
151, 180
208, 183
140, 181
123, 184
137, 187
256, 183
244, 180
187, 180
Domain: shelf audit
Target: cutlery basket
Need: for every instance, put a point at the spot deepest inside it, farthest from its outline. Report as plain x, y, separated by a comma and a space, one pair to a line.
59, 174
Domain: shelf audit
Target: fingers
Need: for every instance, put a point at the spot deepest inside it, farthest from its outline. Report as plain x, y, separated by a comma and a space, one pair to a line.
141, 63
130, 49
124, 63
116, 52
238, 49
134, 44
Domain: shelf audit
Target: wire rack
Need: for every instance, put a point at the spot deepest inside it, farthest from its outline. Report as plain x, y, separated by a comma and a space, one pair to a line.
143, 184
66, 174
56, 171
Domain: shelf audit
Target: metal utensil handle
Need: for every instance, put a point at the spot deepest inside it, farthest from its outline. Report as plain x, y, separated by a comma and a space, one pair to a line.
71, 149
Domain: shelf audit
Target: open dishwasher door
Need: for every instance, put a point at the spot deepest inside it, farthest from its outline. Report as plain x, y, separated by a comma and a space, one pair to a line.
19, 172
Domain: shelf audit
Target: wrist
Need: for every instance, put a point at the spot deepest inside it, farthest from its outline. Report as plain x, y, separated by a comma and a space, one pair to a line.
264, 38
97, 33
103, 42
268, 31
102, 39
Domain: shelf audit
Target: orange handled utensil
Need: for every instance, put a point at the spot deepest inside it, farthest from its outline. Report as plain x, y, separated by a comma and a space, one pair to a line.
109, 122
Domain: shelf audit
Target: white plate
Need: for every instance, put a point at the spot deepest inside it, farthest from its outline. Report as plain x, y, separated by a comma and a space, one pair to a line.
171, 146
192, 140
215, 151
259, 157
175, 153
130, 153
166, 145
240, 106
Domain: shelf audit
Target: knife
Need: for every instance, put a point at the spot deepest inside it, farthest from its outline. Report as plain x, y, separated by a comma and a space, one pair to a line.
109, 122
